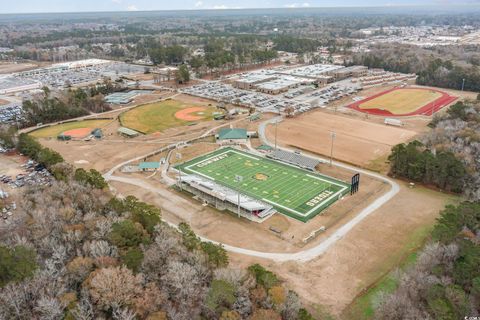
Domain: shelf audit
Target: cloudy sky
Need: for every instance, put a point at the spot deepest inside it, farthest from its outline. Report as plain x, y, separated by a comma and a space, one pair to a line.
26, 6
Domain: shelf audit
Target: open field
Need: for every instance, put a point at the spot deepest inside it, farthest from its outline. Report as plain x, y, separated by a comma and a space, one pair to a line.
357, 141
166, 114
372, 249
55, 130
292, 191
404, 102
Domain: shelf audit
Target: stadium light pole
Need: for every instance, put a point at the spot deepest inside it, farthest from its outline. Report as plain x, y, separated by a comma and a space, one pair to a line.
238, 179
332, 135
179, 156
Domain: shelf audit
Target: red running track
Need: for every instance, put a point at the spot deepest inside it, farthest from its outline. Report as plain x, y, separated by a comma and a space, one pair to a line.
426, 110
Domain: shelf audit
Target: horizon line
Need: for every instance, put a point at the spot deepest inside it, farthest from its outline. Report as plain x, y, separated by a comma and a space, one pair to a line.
252, 8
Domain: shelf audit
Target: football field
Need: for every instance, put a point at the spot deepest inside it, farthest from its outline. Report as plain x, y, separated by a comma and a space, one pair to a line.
298, 193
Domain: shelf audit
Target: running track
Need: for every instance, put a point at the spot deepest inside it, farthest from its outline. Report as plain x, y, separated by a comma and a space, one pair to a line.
426, 110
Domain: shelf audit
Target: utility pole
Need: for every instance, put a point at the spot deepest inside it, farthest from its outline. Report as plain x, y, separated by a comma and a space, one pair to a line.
332, 135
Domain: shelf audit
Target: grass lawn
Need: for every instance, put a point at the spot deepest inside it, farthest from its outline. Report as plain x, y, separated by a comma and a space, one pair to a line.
159, 116
55, 130
401, 101
298, 193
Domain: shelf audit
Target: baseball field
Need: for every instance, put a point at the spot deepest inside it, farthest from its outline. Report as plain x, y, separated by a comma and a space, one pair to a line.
55, 130
295, 192
159, 116
405, 102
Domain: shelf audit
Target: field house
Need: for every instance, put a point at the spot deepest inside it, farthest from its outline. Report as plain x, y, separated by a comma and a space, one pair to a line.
256, 187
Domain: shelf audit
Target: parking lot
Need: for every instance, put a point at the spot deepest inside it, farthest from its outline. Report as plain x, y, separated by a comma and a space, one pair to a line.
11, 113
262, 102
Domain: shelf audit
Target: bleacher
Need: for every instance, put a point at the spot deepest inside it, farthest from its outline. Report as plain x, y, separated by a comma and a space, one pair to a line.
294, 158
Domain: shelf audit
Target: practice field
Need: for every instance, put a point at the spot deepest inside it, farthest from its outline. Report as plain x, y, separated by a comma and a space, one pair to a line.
166, 114
55, 130
298, 193
404, 102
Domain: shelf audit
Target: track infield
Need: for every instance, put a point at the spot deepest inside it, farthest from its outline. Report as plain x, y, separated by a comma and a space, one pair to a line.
404, 102
295, 192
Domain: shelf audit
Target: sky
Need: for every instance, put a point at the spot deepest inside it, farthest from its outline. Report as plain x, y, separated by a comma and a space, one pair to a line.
34, 6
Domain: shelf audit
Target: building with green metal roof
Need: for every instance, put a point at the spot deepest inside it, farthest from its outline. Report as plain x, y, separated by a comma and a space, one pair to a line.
264, 147
232, 136
128, 132
149, 166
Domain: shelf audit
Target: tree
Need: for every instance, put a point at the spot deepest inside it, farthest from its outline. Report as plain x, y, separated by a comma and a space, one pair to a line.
16, 264
217, 255
303, 314
190, 239
114, 287
265, 278
262, 314
221, 295
31, 148
442, 169
128, 234
93, 178
133, 259
7, 137
292, 306
182, 75
79, 268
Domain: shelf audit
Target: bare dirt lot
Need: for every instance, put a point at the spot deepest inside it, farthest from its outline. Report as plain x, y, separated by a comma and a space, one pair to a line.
16, 67
356, 141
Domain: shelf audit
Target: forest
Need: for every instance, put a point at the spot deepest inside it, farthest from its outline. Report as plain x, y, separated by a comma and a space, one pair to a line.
63, 105
447, 156
441, 67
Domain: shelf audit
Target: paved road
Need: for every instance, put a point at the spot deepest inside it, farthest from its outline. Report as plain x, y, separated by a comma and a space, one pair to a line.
304, 255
